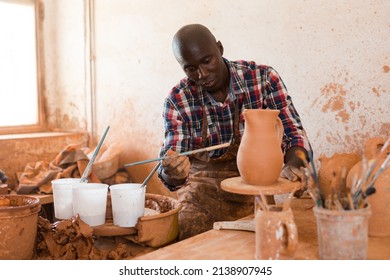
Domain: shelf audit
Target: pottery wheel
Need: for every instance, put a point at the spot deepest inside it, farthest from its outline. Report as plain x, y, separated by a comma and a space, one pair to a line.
237, 185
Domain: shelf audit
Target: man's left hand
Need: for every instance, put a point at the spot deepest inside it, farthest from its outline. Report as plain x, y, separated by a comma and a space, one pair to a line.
295, 174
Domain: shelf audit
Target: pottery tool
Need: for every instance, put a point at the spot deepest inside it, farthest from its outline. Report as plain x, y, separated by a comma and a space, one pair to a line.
362, 194
207, 149
382, 168
150, 175
88, 169
263, 203
287, 202
367, 171
258, 201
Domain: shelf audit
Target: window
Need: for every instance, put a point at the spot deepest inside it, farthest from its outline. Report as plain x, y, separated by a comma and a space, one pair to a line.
20, 109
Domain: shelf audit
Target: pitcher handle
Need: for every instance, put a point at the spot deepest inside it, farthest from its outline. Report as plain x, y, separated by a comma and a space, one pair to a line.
373, 147
279, 129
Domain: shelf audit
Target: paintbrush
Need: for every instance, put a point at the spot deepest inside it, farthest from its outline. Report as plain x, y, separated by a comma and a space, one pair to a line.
367, 171
150, 175
287, 202
379, 172
264, 202
87, 170
207, 149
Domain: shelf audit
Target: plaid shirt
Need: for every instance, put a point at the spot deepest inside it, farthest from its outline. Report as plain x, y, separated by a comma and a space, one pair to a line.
255, 86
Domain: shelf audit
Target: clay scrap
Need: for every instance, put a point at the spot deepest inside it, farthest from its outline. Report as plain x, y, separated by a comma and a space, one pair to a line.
72, 239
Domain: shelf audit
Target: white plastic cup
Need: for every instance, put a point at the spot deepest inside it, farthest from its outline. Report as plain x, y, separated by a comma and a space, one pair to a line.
89, 202
128, 203
63, 198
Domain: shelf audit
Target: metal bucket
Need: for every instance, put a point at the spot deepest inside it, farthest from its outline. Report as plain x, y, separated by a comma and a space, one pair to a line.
18, 226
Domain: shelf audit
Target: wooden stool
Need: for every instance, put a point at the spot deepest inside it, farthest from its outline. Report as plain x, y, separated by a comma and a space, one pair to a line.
238, 186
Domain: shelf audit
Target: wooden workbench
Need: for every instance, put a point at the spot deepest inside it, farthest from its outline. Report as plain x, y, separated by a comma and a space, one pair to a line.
240, 245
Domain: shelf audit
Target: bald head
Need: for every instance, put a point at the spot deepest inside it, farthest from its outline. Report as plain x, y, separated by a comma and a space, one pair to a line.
191, 36
200, 57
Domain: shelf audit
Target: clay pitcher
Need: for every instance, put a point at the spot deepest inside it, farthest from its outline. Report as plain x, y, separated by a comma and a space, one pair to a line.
379, 222
260, 157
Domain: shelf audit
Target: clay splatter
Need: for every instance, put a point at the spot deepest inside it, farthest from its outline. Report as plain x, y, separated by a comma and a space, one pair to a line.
386, 69
335, 100
374, 90
384, 129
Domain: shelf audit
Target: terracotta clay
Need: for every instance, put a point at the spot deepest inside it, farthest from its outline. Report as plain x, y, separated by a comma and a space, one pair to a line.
334, 170
379, 222
260, 157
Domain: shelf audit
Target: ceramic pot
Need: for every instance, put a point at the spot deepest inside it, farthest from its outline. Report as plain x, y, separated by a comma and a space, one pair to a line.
260, 157
379, 222
334, 170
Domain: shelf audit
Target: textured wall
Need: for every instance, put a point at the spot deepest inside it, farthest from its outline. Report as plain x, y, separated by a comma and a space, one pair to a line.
334, 57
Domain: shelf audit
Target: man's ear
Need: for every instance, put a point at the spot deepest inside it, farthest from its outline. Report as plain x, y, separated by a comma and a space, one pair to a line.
220, 47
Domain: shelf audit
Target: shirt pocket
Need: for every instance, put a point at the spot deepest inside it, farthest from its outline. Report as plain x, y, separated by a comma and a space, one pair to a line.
213, 132
195, 128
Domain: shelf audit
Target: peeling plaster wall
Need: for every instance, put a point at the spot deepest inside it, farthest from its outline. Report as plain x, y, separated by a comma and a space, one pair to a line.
334, 57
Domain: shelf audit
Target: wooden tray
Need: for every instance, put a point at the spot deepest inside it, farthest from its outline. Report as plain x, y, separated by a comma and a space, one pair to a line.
109, 229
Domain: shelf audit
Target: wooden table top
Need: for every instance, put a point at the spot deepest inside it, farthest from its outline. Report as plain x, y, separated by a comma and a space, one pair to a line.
227, 244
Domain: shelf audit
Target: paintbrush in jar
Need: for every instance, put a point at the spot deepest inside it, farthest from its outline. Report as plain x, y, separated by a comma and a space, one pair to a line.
287, 202
382, 168
263, 202
367, 171
361, 195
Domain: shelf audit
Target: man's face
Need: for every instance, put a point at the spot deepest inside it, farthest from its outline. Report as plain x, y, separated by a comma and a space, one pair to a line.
202, 62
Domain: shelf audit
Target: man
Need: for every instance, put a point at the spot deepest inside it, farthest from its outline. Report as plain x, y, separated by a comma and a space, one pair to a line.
205, 109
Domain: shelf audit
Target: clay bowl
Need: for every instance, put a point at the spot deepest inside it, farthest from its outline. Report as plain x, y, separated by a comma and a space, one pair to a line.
159, 226
163, 228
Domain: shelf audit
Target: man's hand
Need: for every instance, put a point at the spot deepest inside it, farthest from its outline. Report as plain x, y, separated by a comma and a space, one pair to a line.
294, 169
295, 174
176, 167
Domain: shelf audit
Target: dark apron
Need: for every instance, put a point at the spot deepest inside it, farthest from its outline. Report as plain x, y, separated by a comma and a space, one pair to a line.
203, 201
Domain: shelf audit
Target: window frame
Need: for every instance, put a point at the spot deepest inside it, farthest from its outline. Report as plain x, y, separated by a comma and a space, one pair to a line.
41, 124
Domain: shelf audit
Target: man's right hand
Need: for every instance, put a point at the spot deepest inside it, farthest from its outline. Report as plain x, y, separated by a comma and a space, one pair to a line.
176, 167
